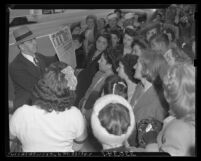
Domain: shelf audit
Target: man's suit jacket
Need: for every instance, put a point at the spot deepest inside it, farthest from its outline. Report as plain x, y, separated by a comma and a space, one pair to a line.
25, 75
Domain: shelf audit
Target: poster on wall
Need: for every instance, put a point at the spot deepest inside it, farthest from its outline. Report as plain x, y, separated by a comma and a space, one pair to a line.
63, 45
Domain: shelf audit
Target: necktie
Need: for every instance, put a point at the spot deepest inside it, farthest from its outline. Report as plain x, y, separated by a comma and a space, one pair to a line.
36, 62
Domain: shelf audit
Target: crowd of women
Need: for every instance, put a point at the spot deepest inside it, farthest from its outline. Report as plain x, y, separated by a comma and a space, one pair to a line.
133, 88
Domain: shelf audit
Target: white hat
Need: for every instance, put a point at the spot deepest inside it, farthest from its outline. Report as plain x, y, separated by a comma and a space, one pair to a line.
128, 16
99, 131
111, 16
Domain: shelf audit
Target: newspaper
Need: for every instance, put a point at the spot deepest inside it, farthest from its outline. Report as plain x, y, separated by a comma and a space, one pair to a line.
63, 45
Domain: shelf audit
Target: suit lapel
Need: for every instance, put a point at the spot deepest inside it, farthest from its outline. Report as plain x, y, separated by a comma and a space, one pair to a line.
29, 66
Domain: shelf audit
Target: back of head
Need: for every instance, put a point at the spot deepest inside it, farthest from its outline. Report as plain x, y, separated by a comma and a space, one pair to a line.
129, 61
112, 120
112, 56
53, 91
179, 84
115, 85
162, 38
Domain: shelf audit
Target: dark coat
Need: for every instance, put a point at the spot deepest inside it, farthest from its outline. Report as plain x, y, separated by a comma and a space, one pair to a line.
25, 75
85, 78
80, 57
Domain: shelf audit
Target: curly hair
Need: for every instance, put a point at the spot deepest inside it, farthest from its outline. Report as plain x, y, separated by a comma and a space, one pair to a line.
115, 118
52, 91
179, 85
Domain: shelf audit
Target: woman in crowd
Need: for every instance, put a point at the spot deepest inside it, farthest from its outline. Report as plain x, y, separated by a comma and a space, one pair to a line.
126, 72
52, 123
112, 23
112, 122
178, 134
107, 67
150, 30
101, 25
79, 51
75, 28
103, 42
145, 101
115, 85
139, 45
128, 39
91, 32
116, 38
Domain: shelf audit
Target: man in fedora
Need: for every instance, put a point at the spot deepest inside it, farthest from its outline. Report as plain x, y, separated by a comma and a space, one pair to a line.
28, 66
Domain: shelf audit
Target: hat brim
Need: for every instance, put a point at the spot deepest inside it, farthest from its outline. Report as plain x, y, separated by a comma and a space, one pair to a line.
25, 39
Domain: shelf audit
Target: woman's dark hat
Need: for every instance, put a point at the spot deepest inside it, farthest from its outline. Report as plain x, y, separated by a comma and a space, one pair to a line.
23, 34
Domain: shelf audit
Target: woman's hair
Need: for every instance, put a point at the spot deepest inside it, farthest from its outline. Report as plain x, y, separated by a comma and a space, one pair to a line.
115, 118
153, 64
74, 25
179, 85
78, 37
112, 57
116, 32
52, 91
129, 61
92, 17
130, 32
115, 85
180, 55
140, 42
162, 38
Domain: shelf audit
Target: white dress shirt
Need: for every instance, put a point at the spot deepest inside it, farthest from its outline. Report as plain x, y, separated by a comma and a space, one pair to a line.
30, 58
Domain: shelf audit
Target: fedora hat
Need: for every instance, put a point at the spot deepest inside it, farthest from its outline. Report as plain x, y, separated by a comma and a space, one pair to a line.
23, 34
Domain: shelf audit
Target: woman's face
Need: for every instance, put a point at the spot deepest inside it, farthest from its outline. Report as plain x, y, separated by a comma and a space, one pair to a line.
121, 71
137, 50
76, 30
138, 70
101, 23
115, 39
127, 41
90, 23
113, 22
101, 44
150, 33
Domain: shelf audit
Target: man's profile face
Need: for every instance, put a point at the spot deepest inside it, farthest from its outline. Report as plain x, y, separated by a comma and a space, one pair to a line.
30, 46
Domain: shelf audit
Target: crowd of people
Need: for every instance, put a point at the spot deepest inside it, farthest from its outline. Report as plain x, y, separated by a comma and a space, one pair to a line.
133, 88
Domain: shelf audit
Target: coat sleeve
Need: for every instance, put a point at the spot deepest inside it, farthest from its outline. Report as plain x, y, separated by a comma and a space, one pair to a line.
21, 77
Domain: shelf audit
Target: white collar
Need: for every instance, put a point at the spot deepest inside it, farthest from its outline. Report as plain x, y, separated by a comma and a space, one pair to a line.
29, 57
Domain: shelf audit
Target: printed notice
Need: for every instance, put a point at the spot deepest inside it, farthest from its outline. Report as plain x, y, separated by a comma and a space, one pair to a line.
63, 45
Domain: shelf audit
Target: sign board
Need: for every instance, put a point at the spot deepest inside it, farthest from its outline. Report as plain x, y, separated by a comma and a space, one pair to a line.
63, 45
